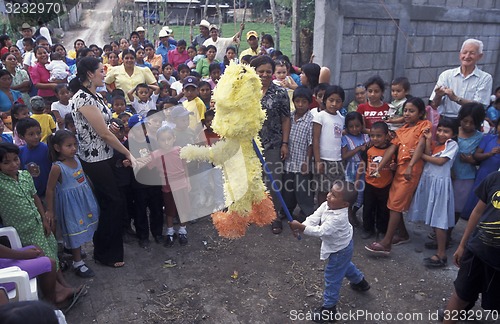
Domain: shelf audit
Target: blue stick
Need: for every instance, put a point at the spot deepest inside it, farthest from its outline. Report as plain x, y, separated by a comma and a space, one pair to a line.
273, 183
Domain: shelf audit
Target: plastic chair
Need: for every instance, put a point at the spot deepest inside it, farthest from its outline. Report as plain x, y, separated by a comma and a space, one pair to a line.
26, 289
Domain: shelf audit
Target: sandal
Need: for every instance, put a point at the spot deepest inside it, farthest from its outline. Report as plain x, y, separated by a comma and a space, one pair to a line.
398, 240
276, 226
378, 249
433, 263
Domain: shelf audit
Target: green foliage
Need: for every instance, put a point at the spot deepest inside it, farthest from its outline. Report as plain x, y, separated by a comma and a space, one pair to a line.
229, 30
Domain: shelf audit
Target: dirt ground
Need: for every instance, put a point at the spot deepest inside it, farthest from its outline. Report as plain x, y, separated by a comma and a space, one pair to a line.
260, 278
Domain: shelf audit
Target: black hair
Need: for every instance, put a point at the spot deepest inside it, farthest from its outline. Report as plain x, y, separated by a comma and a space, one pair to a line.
55, 56
183, 66
61, 86
141, 85
230, 47
39, 39
39, 47
134, 33
302, 92
402, 81
191, 47
348, 189
16, 108
380, 125
165, 129
123, 114
5, 148
268, 38
320, 87
83, 52
261, 60
117, 53
475, 110
128, 51
149, 45
84, 66
164, 65
195, 74
118, 121
4, 57
114, 98
68, 119
246, 58
210, 113
30, 311
23, 125
107, 47
202, 48
79, 40
55, 46
118, 92
204, 83
181, 42
155, 69
448, 123
334, 89
152, 112
376, 79
209, 47
353, 115
417, 102
3, 39
4, 72
214, 66
57, 138
311, 71
28, 41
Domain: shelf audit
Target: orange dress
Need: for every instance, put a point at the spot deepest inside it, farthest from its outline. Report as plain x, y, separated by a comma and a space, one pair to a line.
402, 190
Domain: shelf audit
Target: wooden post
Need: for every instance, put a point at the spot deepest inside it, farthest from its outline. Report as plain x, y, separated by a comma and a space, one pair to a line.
276, 24
295, 32
205, 10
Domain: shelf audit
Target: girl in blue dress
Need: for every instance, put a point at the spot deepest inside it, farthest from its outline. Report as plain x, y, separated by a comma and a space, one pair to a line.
433, 201
353, 143
69, 195
488, 154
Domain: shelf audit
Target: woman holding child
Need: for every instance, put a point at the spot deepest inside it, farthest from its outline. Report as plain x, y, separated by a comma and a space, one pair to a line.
96, 145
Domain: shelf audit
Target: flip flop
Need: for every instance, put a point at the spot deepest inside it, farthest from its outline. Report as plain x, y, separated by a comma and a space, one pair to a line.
117, 264
398, 240
75, 298
378, 249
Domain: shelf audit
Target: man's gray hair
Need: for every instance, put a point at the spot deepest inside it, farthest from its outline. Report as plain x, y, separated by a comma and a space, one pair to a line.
473, 41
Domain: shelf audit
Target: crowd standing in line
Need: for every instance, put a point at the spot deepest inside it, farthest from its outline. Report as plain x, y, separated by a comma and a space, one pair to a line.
134, 104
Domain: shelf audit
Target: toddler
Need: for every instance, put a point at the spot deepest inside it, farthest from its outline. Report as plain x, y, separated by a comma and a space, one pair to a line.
359, 98
145, 99
59, 70
46, 121
330, 222
61, 108
18, 112
400, 89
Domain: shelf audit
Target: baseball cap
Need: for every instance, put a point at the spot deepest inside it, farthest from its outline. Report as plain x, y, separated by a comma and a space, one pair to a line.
180, 111
252, 33
190, 81
140, 29
134, 120
204, 23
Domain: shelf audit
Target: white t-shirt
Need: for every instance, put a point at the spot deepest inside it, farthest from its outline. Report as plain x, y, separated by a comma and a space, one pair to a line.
62, 109
177, 86
142, 108
221, 44
29, 58
330, 140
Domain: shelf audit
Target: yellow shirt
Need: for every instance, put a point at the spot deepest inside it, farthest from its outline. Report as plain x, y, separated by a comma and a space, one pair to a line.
157, 61
72, 54
122, 80
197, 107
47, 123
249, 51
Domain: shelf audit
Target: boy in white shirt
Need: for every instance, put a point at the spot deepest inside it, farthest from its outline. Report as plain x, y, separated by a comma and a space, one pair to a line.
145, 99
330, 222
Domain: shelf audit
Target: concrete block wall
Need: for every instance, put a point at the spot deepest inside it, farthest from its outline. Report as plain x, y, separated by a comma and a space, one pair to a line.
418, 39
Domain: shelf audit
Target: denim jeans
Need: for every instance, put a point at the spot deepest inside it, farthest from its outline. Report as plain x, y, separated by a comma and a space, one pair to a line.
339, 266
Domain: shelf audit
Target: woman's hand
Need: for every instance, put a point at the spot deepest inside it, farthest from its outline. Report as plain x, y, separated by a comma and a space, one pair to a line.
407, 175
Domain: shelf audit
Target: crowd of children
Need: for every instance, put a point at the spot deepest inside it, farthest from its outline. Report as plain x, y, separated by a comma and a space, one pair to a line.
380, 155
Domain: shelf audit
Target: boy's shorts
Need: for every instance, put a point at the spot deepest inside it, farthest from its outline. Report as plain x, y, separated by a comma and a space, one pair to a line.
334, 170
476, 277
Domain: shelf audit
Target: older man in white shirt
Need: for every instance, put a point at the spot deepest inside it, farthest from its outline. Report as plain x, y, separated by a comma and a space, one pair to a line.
466, 83
222, 43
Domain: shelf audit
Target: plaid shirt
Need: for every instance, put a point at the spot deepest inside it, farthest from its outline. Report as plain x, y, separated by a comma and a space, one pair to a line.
299, 141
